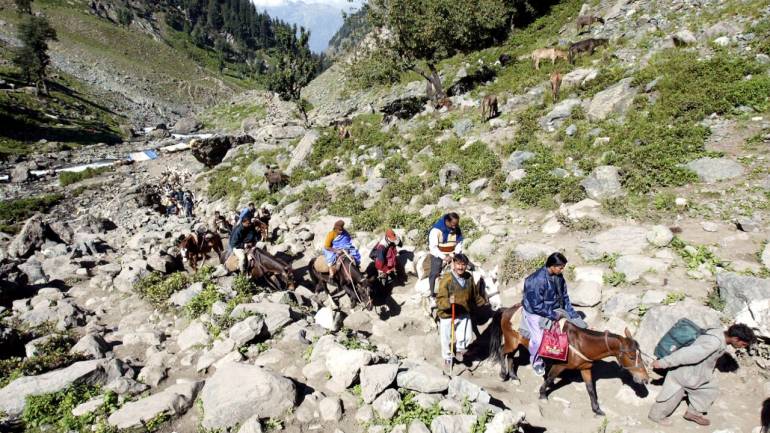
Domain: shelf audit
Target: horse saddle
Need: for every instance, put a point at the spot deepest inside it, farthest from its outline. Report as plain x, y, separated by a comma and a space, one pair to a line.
320, 265
231, 264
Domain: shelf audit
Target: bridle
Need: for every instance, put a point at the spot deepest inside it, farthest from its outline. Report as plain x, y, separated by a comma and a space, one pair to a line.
638, 362
350, 277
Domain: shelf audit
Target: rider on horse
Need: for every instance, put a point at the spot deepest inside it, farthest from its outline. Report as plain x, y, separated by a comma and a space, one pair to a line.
247, 213
241, 238
386, 254
457, 288
338, 241
445, 239
546, 301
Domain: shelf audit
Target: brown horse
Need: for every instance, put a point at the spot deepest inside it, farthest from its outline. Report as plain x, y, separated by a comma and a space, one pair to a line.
193, 248
349, 278
489, 108
587, 20
274, 270
555, 85
586, 346
262, 223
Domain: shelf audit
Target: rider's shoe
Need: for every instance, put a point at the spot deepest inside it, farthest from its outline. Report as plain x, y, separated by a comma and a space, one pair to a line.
539, 369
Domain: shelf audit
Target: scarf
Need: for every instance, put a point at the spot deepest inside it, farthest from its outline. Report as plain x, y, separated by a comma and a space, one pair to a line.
445, 231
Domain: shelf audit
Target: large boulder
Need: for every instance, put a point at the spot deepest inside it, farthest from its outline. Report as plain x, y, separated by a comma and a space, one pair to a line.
375, 379
617, 240
453, 424
247, 330
302, 150
636, 265
711, 170
276, 315
558, 114
173, 401
448, 173
260, 392
616, 100
186, 125
31, 237
423, 378
13, 396
344, 365
747, 300
659, 319
603, 183
516, 160
587, 291
210, 151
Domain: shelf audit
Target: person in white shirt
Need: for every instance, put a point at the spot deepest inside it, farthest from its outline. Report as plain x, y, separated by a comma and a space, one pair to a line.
445, 239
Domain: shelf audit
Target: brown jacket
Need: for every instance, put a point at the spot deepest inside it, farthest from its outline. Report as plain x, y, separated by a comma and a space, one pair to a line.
466, 298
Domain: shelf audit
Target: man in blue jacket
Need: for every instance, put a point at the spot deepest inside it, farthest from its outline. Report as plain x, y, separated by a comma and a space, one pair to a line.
545, 301
242, 237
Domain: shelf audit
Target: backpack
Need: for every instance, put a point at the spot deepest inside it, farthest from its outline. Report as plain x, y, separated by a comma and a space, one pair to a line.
373, 253
682, 334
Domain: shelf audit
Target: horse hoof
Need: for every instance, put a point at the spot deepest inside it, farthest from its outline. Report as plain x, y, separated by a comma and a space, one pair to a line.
599, 412
543, 397
504, 377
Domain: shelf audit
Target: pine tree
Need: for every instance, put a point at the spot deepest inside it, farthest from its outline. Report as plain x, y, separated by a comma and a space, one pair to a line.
32, 58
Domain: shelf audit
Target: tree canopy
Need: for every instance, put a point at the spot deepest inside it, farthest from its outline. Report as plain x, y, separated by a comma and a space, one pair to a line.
32, 58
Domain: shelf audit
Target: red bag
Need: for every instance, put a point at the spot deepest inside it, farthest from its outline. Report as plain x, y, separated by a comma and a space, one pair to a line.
555, 344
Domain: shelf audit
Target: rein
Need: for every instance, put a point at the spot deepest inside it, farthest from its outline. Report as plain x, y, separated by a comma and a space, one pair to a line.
621, 351
350, 275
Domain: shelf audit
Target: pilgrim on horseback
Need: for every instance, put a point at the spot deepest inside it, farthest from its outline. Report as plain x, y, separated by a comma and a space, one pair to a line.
445, 239
458, 296
385, 256
545, 302
338, 242
242, 238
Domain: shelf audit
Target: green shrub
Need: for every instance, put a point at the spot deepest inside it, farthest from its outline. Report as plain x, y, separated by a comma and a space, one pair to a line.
70, 177
378, 67
475, 161
51, 355
614, 279
14, 212
346, 202
514, 268
156, 289
368, 220
540, 187
53, 412
312, 199
201, 303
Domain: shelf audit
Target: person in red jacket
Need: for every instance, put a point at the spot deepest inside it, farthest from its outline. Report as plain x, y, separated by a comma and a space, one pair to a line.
386, 255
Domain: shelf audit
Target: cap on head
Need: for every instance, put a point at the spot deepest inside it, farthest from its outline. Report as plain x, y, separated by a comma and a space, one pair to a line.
339, 224
391, 235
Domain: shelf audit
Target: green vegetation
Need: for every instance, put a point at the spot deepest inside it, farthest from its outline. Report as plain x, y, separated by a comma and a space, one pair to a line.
295, 68
408, 411
53, 412
673, 298
70, 177
695, 257
229, 117
157, 288
352, 340
233, 180
714, 300
514, 268
201, 303
51, 355
614, 278
15, 212
32, 58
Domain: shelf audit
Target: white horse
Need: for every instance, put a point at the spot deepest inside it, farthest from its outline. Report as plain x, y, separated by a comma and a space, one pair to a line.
487, 281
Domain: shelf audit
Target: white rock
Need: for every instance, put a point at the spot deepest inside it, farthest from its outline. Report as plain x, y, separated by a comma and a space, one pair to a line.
330, 409
328, 319
659, 236
387, 403
196, 334
375, 379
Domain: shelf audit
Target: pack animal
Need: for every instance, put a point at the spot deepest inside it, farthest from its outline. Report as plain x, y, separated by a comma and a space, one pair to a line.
547, 53
555, 85
586, 46
194, 248
276, 180
275, 271
489, 108
587, 20
343, 128
262, 223
354, 283
586, 346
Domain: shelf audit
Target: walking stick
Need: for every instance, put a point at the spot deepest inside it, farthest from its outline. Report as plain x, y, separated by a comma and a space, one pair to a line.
452, 342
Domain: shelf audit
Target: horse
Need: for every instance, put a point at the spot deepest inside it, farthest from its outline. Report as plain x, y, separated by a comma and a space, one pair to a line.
262, 223
588, 45
586, 346
263, 264
555, 84
587, 20
765, 416
192, 248
547, 53
343, 128
276, 180
357, 285
489, 108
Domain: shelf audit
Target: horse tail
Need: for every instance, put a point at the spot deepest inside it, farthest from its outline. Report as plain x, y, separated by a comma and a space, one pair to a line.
496, 337
311, 271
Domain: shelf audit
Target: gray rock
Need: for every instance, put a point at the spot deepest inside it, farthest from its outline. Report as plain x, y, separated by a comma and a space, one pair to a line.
748, 225
196, 334
33, 269
452, 424
32, 236
184, 296
684, 37
712, 170
477, 185
483, 246
579, 77
20, 173
328, 319
173, 401
617, 240
516, 175
126, 385
616, 100
636, 265
13, 396
739, 291
92, 345
660, 236
247, 330
251, 425
302, 150
162, 263
530, 251
211, 151
88, 407
386, 405
262, 393
448, 173
423, 378
659, 319
558, 114
461, 389
603, 183
462, 126
344, 365
375, 379
276, 315
186, 125
765, 257
620, 304
505, 421
330, 409
153, 373
571, 130
364, 414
